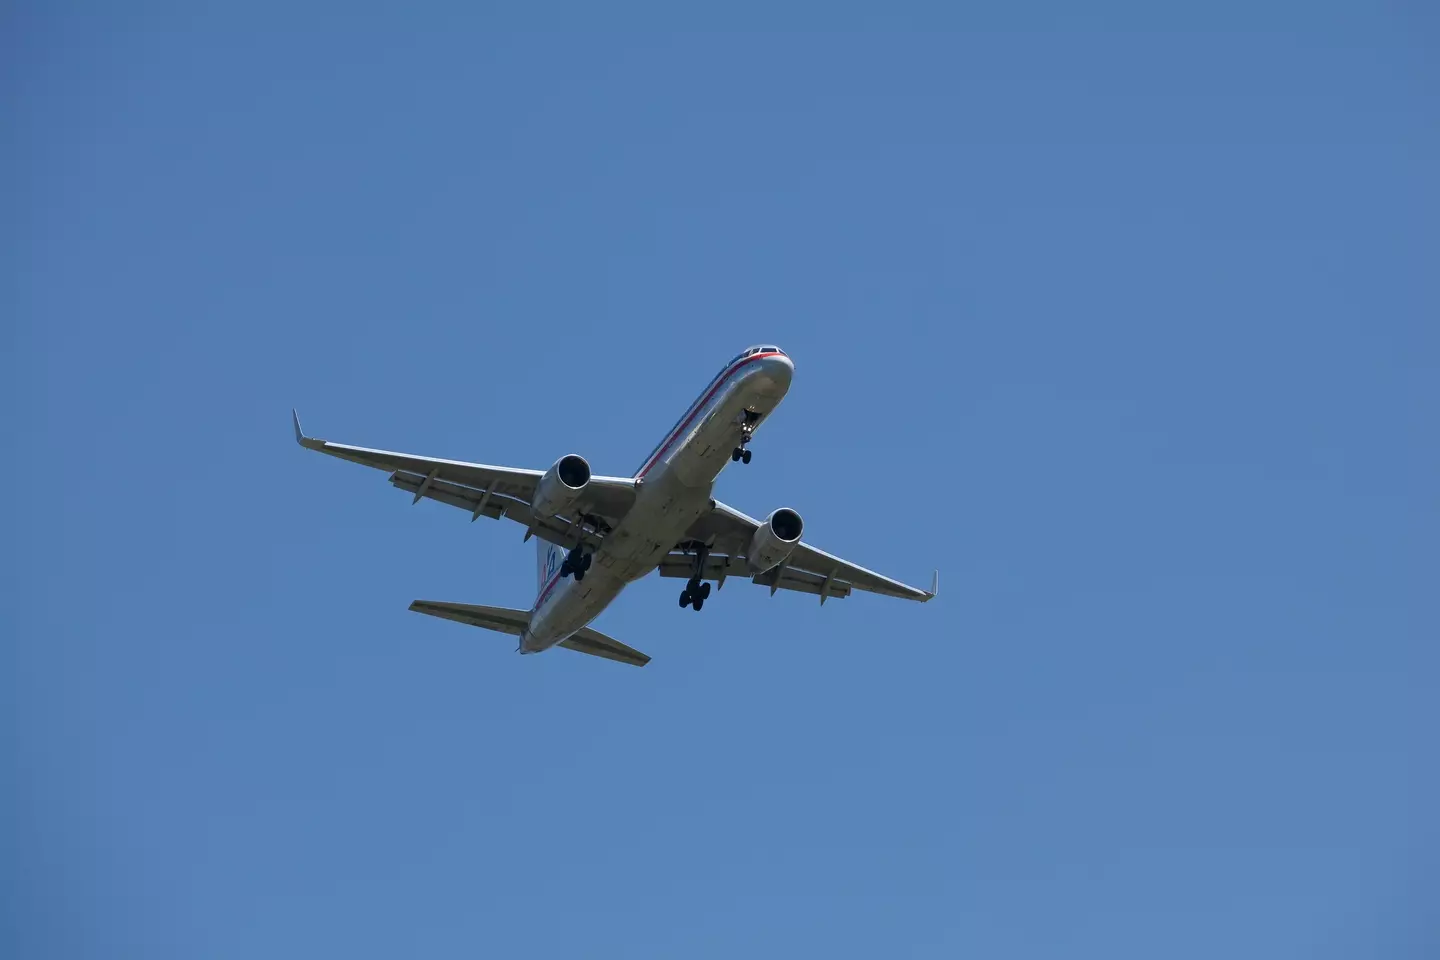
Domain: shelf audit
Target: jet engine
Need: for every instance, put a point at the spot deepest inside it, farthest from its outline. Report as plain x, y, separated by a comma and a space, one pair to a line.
561, 485
775, 540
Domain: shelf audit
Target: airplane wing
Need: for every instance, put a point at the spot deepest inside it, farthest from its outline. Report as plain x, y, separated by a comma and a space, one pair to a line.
808, 570
485, 490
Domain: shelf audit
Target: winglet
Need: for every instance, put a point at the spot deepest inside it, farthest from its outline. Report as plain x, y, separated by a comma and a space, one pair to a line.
309, 443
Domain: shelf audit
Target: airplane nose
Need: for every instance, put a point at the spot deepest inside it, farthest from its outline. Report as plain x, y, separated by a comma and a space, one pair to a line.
779, 370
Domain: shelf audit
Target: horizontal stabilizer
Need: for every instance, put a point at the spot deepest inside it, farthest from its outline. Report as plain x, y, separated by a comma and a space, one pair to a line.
500, 619
597, 644
514, 622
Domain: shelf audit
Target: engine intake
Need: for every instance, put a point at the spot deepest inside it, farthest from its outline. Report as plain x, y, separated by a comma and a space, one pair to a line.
775, 540
561, 485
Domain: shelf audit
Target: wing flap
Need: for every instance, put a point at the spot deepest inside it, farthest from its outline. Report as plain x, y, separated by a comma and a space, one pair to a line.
551, 529
719, 567
800, 581
474, 501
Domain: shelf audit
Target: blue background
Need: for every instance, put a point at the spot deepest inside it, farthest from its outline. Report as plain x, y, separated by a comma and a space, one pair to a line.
1124, 319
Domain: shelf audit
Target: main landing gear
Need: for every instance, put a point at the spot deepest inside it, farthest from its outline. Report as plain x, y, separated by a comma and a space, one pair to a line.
696, 590
694, 593
576, 563
747, 429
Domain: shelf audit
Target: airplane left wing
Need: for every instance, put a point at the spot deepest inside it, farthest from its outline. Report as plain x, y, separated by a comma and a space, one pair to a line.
808, 569
485, 490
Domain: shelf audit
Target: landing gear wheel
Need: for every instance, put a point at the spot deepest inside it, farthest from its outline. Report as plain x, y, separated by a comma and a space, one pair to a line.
695, 593
745, 456
576, 563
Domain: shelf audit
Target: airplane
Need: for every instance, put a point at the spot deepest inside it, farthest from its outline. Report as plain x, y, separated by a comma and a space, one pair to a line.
596, 535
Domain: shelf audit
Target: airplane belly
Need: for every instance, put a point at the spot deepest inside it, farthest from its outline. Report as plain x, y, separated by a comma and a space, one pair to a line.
571, 608
706, 451
665, 508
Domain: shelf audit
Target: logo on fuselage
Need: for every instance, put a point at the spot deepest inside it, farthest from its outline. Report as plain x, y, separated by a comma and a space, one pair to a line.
552, 562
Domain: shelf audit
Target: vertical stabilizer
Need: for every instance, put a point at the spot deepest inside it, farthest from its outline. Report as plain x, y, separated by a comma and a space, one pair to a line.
551, 557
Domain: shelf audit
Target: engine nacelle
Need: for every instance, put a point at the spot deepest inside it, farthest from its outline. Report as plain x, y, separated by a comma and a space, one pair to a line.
561, 485
775, 540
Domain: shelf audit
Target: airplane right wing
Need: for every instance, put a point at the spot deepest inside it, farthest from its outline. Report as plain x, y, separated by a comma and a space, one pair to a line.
484, 490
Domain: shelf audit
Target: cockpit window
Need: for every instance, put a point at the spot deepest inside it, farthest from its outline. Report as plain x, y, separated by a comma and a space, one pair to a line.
765, 348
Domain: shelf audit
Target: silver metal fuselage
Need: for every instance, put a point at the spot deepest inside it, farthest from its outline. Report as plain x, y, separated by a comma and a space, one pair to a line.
673, 491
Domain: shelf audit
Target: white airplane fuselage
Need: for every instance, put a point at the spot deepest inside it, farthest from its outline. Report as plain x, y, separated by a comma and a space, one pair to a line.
674, 488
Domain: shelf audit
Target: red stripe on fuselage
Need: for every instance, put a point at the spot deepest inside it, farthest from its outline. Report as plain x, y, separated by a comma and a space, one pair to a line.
695, 411
546, 592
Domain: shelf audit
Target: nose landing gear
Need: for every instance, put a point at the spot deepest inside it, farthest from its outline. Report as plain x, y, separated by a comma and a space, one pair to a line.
747, 429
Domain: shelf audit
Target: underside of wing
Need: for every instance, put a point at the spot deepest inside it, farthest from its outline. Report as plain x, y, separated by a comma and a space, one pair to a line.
726, 534
495, 506
492, 491
719, 568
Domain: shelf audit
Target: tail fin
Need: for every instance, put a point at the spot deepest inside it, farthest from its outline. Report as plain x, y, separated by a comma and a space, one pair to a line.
551, 556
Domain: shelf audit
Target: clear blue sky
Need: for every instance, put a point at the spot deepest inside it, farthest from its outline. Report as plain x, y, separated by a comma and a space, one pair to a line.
1127, 323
